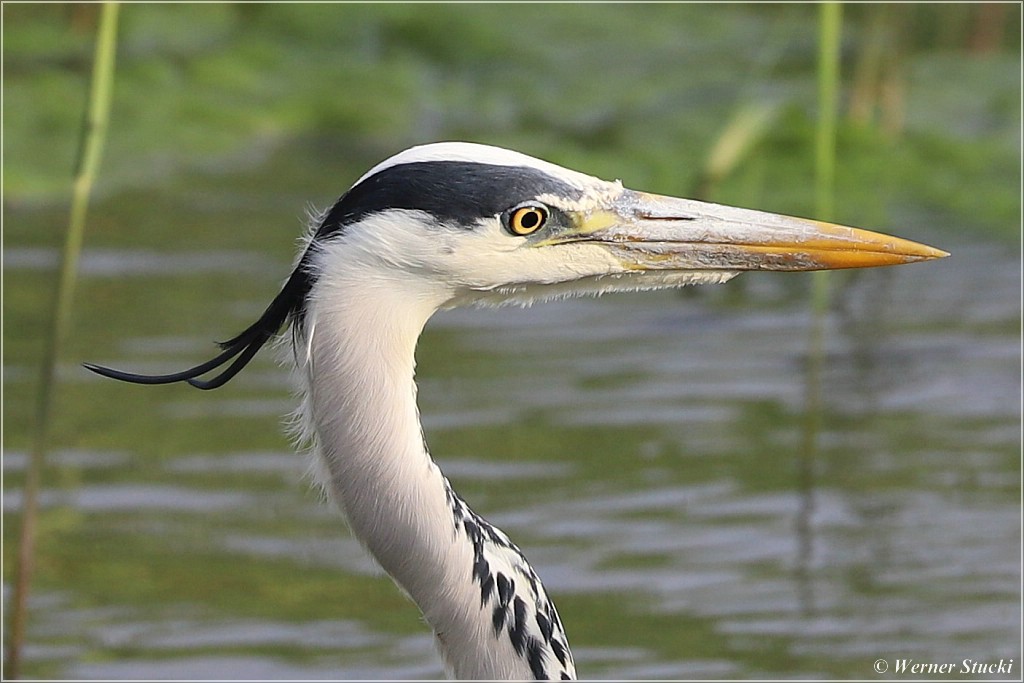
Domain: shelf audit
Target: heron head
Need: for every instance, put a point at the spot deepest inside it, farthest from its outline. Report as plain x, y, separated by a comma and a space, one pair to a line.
472, 223
450, 224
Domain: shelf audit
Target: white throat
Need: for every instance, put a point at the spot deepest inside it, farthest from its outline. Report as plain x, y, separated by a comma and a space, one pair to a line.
361, 404
356, 361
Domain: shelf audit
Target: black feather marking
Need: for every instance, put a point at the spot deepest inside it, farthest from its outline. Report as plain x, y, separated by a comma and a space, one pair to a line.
506, 588
559, 650
481, 569
450, 497
493, 537
472, 530
517, 629
544, 624
566, 677
531, 577
486, 589
534, 655
498, 619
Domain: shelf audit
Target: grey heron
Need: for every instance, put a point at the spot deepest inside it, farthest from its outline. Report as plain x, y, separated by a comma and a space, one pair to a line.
454, 224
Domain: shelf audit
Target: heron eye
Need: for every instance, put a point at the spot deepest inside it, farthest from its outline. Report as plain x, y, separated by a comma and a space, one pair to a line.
525, 220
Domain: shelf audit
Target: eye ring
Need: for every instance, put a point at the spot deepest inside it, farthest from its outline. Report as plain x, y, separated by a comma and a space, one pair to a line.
525, 219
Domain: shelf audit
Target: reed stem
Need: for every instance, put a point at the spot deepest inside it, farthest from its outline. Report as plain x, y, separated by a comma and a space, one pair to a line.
93, 135
825, 164
830, 30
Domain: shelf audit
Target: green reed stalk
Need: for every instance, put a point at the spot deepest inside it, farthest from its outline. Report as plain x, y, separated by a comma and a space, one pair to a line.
830, 25
92, 138
829, 31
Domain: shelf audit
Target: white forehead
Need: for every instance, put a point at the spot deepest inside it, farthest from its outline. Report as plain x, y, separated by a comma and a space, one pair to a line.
484, 154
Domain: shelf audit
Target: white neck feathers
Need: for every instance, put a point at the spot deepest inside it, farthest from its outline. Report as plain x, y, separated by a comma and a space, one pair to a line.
361, 405
355, 356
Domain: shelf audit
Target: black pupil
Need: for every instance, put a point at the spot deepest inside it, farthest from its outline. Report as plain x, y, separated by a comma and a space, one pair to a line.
529, 219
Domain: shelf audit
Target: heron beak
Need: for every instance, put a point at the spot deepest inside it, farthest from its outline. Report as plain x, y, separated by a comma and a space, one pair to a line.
653, 232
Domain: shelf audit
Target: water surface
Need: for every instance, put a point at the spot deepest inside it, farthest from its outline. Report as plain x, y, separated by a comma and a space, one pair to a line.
694, 509
647, 451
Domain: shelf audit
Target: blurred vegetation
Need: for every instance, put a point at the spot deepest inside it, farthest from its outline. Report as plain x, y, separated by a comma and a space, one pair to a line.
647, 93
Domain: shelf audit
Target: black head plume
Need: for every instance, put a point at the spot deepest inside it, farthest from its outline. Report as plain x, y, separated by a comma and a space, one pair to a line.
287, 304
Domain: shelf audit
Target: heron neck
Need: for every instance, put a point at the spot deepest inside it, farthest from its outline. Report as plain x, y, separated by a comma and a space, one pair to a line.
361, 402
487, 607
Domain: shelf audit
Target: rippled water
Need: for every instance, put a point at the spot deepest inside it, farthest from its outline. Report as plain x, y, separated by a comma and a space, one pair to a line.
646, 451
